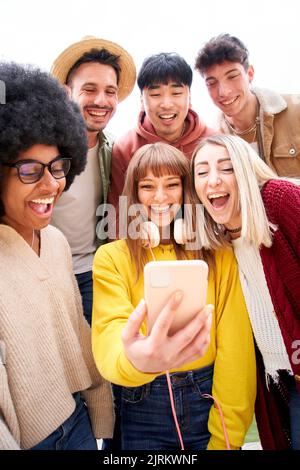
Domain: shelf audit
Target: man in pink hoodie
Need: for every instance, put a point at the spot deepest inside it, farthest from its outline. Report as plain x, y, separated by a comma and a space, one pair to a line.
166, 116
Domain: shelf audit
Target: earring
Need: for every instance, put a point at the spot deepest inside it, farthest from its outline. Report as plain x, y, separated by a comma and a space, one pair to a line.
180, 234
150, 234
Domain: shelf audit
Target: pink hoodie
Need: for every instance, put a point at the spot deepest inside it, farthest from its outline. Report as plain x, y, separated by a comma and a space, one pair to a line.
144, 133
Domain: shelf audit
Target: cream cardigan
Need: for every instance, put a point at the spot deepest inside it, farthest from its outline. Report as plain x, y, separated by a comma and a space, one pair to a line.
47, 340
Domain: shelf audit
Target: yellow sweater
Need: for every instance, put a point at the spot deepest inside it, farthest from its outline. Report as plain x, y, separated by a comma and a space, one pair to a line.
231, 349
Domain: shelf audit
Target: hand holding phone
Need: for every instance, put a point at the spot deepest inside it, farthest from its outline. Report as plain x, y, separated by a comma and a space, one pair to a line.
163, 278
159, 351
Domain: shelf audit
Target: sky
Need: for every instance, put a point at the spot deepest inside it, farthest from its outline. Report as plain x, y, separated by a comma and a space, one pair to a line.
36, 32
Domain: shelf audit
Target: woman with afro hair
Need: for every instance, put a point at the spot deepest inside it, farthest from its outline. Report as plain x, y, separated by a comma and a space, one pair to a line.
52, 396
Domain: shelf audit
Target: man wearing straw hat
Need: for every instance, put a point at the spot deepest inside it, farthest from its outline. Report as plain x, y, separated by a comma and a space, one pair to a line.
97, 75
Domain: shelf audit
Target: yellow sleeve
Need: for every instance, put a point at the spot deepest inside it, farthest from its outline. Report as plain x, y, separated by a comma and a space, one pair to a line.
113, 281
234, 382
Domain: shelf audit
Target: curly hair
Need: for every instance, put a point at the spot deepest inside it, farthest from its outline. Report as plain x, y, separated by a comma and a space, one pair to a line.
220, 49
37, 110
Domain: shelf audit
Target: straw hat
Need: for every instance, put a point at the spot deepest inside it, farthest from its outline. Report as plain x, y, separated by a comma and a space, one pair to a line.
62, 65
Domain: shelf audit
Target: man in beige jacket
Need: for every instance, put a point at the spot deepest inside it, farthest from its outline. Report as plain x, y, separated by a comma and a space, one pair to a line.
267, 120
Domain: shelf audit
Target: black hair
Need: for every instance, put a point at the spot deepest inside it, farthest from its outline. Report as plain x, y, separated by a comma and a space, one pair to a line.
220, 49
100, 56
35, 109
163, 67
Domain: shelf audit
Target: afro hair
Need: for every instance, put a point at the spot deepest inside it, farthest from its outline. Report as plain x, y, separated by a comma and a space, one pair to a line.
35, 109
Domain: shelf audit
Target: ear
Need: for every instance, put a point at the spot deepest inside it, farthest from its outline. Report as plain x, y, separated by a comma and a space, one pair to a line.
190, 100
250, 73
68, 91
142, 102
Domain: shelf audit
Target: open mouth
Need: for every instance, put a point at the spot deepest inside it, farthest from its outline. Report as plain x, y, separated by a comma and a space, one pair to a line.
42, 206
97, 113
160, 209
229, 102
168, 117
218, 200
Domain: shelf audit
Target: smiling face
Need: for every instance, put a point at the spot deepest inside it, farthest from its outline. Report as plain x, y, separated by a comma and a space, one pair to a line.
216, 185
29, 206
167, 107
228, 85
161, 197
94, 88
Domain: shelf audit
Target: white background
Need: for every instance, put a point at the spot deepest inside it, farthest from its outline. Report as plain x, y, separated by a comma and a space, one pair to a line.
36, 32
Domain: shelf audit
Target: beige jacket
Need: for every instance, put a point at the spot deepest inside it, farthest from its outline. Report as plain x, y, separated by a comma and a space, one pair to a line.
47, 341
279, 131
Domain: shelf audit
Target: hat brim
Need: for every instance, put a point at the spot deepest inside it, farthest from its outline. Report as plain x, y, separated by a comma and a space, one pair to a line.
62, 65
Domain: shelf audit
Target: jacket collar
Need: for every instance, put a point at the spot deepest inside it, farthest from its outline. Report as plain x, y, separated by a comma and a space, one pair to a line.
270, 101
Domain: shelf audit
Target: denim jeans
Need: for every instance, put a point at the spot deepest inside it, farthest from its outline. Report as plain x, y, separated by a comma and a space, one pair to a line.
294, 414
115, 443
146, 420
74, 434
85, 284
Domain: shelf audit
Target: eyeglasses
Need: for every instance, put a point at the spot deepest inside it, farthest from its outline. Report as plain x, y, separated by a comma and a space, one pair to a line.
31, 171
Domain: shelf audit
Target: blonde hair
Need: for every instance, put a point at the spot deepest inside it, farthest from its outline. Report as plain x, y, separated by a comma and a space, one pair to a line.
251, 174
160, 159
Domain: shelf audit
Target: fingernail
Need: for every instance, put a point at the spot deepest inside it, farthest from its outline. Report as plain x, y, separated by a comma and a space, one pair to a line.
210, 307
140, 306
178, 296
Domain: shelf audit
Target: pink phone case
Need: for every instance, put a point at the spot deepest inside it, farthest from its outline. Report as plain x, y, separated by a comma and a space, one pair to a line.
163, 278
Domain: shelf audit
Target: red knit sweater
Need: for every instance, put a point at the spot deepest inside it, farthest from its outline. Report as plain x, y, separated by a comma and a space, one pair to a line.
281, 264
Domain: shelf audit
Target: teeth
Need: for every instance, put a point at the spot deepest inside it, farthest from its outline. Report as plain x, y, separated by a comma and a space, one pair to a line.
215, 196
226, 103
98, 113
48, 200
160, 209
167, 116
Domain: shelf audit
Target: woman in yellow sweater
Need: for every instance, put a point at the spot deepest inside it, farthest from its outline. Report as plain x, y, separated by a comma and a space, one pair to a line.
158, 179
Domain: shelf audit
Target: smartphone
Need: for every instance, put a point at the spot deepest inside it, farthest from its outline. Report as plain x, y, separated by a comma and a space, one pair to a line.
163, 278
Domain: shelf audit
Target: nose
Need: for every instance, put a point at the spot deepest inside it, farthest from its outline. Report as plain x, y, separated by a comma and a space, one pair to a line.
100, 99
224, 88
214, 178
48, 181
166, 101
160, 195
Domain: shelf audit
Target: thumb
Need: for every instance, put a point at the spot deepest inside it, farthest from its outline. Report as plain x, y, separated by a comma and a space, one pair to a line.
176, 299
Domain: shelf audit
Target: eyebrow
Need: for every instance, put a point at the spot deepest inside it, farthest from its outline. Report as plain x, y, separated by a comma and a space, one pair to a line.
221, 160
95, 85
171, 177
158, 85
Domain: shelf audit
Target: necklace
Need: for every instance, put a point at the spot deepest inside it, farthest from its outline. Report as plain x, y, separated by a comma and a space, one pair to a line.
246, 131
233, 230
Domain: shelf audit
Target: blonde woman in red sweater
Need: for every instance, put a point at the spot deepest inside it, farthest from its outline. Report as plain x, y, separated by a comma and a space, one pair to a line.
246, 205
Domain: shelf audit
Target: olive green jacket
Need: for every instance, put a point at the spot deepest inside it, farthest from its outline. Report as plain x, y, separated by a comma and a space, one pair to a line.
104, 155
